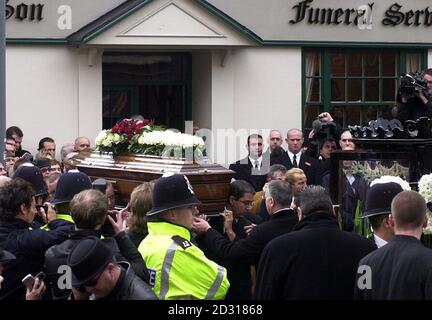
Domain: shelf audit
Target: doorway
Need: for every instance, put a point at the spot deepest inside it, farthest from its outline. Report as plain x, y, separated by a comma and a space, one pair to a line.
154, 85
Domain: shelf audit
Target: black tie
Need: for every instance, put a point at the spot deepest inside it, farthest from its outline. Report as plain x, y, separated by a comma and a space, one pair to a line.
257, 164
294, 162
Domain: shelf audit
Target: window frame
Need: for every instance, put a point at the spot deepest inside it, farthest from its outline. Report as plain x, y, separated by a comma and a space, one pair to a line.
325, 104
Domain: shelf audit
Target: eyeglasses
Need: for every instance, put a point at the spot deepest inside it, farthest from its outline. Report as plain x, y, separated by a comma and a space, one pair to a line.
247, 203
94, 281
44, 170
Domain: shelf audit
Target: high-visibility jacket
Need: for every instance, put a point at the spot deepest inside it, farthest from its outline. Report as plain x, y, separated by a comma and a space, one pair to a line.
179, 269
62, 216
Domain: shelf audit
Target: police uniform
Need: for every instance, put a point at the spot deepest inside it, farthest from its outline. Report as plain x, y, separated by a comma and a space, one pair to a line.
178, 269
378, 202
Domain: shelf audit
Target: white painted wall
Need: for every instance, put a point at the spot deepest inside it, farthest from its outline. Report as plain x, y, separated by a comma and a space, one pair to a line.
429, 61
57, 91
90, 93
201, 89
42, 93
52, 91
257, 89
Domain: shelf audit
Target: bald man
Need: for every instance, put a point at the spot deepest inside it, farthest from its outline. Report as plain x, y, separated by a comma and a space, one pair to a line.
82, 143
295, 158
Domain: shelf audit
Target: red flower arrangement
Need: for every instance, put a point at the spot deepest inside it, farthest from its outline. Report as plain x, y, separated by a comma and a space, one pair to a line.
130, 127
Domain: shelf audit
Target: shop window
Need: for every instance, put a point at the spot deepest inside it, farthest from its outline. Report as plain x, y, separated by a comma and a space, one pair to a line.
355, 86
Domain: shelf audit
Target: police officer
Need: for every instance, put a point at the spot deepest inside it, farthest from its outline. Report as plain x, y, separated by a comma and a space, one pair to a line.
68, 185
178, 269
378, 210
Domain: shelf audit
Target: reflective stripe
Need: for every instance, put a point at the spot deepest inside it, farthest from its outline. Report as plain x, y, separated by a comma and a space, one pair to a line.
216, 284
166, 269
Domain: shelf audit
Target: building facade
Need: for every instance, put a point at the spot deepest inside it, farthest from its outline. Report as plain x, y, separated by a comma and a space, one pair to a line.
76, 67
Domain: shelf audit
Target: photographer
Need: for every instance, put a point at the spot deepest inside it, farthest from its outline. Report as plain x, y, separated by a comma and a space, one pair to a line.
18, 235
322, 140
414, 105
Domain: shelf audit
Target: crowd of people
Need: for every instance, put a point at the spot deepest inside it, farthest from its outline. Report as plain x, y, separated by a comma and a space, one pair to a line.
280, 237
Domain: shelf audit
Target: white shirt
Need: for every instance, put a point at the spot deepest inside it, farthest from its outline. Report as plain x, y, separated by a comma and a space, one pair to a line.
350, 177
260, 159
291, 156
379, 241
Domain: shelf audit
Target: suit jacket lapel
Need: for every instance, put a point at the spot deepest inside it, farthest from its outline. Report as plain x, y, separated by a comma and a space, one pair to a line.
301, 164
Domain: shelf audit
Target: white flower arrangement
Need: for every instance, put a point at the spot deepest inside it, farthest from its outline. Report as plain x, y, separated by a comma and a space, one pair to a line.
386, 179
107, 139
141, 137
168, 143
425, 190
171, 139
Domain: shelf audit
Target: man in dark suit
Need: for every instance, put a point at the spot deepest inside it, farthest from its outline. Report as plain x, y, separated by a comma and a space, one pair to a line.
294, 157
275, 150
354, 190
238, 220
402, 269
315, 261
254, 167
248, 250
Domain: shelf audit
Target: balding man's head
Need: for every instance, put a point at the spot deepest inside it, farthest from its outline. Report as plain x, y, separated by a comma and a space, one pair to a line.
82, 143
346, 140
275, 139
408, 210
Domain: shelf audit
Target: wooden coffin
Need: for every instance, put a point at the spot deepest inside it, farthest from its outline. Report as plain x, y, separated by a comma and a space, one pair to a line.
210, 181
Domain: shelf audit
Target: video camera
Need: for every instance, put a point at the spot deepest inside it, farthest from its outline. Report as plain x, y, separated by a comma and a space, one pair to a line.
324, 129
411, 83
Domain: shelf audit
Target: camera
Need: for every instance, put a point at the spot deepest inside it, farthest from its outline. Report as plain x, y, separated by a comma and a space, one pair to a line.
411, 83
100, 184
323, 129
43, 206
28, 156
